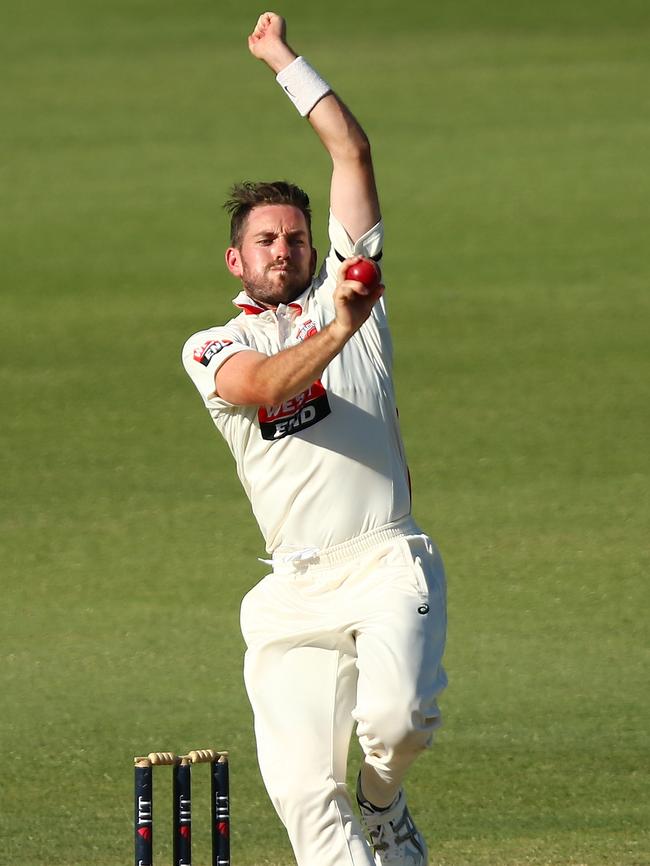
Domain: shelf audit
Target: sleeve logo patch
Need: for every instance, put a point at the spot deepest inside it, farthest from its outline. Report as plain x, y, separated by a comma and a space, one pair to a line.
205, 353
300, 412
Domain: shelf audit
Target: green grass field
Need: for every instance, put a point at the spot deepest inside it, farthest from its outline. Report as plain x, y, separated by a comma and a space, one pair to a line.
511, 142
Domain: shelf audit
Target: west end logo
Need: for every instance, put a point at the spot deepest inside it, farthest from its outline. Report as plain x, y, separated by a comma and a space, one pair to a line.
294, 415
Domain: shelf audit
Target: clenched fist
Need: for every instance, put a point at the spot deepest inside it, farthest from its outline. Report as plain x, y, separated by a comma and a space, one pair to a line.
268, 41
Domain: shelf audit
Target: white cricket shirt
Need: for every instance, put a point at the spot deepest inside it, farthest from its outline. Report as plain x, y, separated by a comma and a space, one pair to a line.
328, 464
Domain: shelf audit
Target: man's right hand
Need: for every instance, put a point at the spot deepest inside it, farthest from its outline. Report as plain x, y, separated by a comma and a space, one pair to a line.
268, 41
353, 301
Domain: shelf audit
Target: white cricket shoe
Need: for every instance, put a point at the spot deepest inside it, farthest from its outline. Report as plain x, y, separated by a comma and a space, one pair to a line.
394, 837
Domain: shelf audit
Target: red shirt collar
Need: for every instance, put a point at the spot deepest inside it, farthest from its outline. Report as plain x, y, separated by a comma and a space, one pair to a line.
252, 308
248, 305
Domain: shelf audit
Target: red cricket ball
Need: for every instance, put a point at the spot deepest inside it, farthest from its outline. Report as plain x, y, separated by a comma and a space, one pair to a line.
364, 271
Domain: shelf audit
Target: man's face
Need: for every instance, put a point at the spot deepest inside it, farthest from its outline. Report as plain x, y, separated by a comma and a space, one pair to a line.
276, 260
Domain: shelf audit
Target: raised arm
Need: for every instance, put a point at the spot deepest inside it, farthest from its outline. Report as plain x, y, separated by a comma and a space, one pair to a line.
353, 194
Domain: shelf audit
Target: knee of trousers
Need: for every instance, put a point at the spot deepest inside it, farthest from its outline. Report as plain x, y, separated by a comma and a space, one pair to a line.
391, 735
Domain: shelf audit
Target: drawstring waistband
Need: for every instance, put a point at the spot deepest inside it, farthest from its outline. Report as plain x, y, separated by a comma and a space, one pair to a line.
294, 559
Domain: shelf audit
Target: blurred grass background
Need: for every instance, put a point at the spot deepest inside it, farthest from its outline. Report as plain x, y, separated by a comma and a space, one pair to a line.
511, 143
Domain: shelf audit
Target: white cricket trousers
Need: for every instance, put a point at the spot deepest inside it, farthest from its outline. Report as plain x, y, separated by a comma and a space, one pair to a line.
354, 635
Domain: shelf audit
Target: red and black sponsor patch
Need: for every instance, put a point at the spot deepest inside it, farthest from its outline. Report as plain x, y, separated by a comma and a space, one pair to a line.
294, 415
205, 353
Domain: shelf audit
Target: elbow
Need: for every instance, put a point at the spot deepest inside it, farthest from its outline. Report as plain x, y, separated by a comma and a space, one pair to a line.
275, 393
253, 393
355, 149
363, 148
268, 391
270, 396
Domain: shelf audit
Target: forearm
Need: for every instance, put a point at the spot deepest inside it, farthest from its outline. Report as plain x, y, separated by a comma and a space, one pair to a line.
258, 380
293, 370
339, 130
333, 122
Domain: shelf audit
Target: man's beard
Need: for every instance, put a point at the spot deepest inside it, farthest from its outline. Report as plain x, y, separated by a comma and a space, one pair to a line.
263, 289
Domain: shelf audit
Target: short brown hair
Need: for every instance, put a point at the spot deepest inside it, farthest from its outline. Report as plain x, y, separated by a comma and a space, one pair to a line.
248, 194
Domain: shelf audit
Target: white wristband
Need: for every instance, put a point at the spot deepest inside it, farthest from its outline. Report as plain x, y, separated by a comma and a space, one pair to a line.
302, 84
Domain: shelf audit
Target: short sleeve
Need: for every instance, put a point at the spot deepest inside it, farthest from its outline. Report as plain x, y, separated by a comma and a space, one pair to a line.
343, 247
206, 351
369, 244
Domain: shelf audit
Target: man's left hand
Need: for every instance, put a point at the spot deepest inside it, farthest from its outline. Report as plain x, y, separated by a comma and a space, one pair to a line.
268, 41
